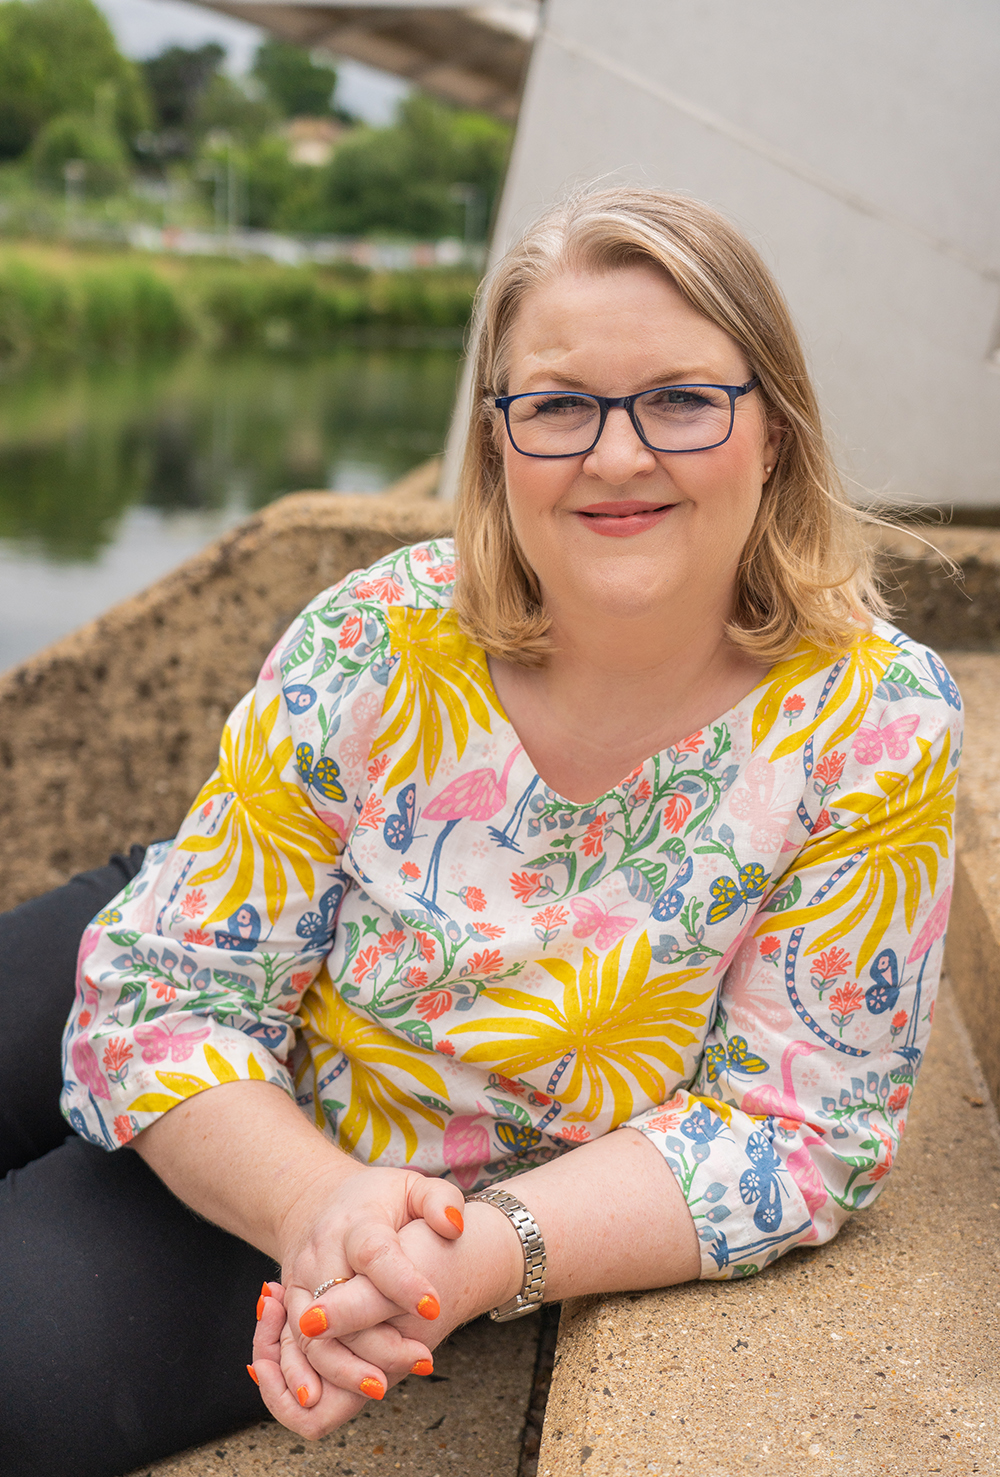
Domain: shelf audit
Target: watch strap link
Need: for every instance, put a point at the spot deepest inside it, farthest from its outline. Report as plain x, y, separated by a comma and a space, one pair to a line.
532, 1245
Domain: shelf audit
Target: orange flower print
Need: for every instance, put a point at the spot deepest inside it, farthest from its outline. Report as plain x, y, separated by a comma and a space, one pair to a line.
676, 812
830, 768
116, 1054
898, 1099
441, 574
593, 840
770, 949
574, 1133
367, 963
509, 1085
425, 945
194, 903
548, 922
670, 1115
410, 872
446, 1047
641, 793
198, 936
392, 943
415, 978
163, 990
822, 822
350, 632
372, 813
473, 898
300, 979
844, 1001
421, 554
692, 743
434, 1004
490, 931
793, 706
525, 885
485, 961
123, 1129
899, 1021
827, 967
377, 769
385, 587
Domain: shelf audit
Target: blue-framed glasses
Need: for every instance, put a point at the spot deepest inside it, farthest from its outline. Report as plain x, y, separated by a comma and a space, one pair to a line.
676, 418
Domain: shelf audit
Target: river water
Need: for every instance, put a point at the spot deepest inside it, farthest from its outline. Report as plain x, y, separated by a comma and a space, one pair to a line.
111, 476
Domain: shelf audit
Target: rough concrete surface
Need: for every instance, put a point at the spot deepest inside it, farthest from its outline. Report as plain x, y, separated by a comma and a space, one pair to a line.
107, 735
973, 946
878, 1353
466, 1420
944, 585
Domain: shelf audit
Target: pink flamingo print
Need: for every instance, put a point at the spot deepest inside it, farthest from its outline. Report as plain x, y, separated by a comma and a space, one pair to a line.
768, 1099
466, 1148
802, 1168
478, 796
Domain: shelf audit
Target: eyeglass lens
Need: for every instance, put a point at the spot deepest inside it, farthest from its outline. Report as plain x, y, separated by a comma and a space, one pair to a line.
673, 419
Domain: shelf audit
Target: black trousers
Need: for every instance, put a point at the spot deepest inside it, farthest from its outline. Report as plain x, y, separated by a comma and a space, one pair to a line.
125, 1320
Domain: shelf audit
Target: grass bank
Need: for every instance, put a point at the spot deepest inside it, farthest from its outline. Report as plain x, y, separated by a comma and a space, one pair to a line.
74, 304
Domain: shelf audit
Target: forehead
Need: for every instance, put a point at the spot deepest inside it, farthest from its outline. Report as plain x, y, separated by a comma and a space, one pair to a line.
634, 314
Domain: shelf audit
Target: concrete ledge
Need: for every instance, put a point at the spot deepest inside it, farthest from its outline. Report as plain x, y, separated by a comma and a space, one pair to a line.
107, 735
877, 1354
957, 614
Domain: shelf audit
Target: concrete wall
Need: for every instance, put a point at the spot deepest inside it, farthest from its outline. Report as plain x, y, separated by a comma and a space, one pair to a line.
857, 145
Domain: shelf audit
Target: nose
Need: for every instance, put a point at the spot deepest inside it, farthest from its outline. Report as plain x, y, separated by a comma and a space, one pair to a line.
619, 454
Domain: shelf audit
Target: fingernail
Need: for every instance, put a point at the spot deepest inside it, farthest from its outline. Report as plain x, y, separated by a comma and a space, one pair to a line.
313, 1322
253, 1374
303, 1395
260, 1307
423, 1366
371, 1388
265, 1291
455, 1216
428, 1306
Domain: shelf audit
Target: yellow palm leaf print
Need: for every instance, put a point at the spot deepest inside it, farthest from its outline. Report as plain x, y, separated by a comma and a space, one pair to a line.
867, 660
266, 818
439, 668
611, 1027
330, 1026
906, 828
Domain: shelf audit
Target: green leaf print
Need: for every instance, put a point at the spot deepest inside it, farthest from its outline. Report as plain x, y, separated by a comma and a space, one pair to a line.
786, 897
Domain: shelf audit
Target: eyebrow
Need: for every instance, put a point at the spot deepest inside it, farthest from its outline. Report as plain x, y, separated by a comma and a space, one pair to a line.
683, 377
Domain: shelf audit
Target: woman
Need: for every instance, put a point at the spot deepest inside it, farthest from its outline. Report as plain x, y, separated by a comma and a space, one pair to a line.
629, 811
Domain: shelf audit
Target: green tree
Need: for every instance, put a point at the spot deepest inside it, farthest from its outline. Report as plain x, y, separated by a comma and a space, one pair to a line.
177, 77
78, 137
227, 107
406, 179
297, 85
57, 57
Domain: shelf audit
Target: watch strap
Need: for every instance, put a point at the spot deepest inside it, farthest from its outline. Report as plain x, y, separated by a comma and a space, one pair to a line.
532, 1245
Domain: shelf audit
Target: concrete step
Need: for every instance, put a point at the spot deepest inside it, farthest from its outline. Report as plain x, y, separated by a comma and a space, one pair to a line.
877, 1354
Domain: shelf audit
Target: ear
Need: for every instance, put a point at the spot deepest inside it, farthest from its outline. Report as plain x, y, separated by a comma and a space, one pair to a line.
772, 445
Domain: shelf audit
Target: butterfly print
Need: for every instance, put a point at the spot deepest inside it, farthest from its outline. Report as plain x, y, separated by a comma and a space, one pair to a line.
752, 802
669, 905
594, 918
398, 829
324, 777
159, 1042
759, 1186
734, 1057
894, 737
730, 896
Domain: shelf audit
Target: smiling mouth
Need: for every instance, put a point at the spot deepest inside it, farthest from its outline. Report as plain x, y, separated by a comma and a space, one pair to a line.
623, 510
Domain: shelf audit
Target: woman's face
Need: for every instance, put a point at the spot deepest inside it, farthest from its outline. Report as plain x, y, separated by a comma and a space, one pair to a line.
624, 529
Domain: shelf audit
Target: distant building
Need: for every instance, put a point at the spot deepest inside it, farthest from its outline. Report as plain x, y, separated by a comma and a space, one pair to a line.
312, 140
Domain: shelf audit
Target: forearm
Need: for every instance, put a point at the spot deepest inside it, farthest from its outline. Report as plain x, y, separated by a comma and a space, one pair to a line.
243, 1156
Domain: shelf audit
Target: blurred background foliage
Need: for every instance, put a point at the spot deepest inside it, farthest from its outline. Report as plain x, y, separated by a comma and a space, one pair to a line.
176, 141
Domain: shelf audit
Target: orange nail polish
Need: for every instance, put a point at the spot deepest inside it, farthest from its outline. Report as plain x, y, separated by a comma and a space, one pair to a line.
302, 1395
313, 1322
423, 1366
265, 1291
371, 1388
428, 1306
253, 1374
260, 1307
455, 1216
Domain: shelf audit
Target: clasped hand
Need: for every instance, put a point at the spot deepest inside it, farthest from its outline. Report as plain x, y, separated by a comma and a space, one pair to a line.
398, 1236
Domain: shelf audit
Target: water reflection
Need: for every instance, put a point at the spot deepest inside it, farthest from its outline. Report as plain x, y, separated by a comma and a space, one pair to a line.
110, 476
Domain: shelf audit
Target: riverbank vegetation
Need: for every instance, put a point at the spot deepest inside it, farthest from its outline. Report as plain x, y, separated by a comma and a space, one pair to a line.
73, 303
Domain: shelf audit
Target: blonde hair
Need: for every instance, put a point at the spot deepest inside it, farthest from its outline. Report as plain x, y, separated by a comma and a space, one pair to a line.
807, 570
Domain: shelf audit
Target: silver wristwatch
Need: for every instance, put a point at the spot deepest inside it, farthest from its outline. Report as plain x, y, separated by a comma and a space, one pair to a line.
524, 1223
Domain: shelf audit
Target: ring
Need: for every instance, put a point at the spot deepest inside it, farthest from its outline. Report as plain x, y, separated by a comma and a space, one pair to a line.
333, 1282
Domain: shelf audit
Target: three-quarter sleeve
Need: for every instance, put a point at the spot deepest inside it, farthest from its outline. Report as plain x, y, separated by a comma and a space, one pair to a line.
794, 1117
193, 976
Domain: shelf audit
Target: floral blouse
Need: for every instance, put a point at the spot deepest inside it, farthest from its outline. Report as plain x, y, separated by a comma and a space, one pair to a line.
376, 903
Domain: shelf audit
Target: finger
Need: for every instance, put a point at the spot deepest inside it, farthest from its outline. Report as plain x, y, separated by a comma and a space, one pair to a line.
353, 1306
268, 1290
387, 1348
332, 1363
440, 1204
376, 1253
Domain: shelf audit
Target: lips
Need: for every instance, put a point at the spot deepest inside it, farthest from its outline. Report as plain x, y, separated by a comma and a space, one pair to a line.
622, 520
